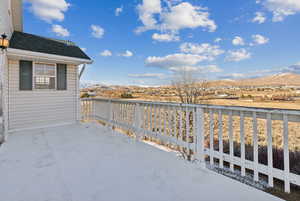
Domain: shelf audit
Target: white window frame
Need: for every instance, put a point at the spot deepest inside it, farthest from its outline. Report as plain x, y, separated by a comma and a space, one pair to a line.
33, 76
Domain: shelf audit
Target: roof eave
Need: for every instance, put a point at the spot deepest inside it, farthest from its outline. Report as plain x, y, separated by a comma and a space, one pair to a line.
25, 54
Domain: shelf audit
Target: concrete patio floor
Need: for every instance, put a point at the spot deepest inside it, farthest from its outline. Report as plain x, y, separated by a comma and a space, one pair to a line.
88, 162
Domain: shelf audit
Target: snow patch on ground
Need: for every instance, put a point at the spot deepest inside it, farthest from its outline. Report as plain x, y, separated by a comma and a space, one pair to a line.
91, 163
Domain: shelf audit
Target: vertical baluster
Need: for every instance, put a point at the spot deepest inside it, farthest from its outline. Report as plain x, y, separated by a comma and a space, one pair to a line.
175, 122
145, 116
187, 132
116, 112
187, 125
127, 111
287, 187
165, 109
169, 121
255, 147
180, 127
211, 136
199, 134
175, 125
137, 120
88, 110
159, 120
155, 120
194, 131
83, 109
124, 117
220, 124
94, 109
146, 125
151, 118
270, 149
130, 116
142, 128
230, 133
147, 119
112, 114
242, 134
118, 106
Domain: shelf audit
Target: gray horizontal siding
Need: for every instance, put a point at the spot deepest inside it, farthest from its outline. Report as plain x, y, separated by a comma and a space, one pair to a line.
41, 108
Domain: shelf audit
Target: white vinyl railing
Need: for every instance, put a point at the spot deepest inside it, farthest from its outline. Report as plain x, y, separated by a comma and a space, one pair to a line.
237, 137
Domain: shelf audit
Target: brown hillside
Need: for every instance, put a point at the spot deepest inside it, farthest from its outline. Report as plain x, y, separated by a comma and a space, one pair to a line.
283, 79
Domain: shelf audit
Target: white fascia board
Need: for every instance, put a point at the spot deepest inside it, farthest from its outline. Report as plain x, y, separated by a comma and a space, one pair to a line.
25, 54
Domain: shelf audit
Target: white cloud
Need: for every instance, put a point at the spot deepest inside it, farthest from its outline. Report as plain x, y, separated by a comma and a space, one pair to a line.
118, 11
282, 8
106, 53
173, 17
238, 55
165, 37
199, 69
83, 49
259, 39
146, 75
259, 18
232, 76
213, 69
208, 51
217, 40
182, 62
185, 15
192, 54
49, 10
97, 31
60, 31
127, 53
146, 11
238, 41
174, 60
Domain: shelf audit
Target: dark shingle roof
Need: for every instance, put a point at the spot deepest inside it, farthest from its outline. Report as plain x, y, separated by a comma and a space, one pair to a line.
34, 43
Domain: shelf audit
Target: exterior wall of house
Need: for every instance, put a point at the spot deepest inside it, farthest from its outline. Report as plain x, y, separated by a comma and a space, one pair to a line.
6, 25
41, 108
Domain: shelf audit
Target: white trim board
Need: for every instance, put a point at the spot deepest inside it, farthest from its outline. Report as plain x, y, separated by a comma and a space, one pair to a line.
37, 56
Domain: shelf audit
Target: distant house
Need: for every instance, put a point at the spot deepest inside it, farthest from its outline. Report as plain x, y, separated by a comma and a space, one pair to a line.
39, 75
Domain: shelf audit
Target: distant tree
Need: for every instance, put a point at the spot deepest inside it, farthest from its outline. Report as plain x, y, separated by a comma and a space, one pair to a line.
126, 95
190, 87
85, 95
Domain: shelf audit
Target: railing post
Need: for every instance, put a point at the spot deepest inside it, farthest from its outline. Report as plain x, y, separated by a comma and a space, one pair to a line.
110, 114
94, 109
137, 121
287, 186
200, 135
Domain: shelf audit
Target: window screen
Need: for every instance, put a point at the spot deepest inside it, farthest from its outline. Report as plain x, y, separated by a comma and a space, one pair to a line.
44, 76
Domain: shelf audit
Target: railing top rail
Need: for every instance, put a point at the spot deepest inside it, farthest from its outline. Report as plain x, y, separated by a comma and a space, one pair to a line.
205, 106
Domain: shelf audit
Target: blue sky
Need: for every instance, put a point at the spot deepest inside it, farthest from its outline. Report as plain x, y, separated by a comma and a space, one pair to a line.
146, 42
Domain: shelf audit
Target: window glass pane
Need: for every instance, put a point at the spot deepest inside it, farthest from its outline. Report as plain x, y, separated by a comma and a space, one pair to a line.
61, 76
25, 81
44, 76
44, 69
